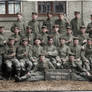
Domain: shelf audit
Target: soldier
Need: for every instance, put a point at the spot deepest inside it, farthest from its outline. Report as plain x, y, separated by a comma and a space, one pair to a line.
43, 35
63, 50
76, 23
68, 36
20, 23
51, 51
23, 55
10, 59
56, 35
87, 54
30, 35
49, 22
16, 35
2, 43
34, 23
83, 35
43, 65
62, 22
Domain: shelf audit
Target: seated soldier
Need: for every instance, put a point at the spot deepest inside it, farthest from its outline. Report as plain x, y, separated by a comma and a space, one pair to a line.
10, 59
83, 35
63, 50
16, 35
23, 56
43, 65
51, 51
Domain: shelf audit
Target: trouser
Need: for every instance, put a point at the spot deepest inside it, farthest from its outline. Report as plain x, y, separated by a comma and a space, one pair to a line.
0, 63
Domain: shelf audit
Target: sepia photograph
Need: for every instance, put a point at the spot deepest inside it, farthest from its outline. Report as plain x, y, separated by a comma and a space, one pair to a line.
45, 45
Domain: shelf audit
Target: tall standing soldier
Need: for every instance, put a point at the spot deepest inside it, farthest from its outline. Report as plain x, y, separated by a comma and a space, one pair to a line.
49, 22
76, 23
19, 23
34, 23
2, 42
62, 22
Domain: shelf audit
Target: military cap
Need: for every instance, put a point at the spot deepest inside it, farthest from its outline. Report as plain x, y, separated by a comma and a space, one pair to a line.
76, 38
56, 26
34, 13
44, 27
1, 27
50, 37
42, 54
28, 27
64, 38
71, 54
82, 27
24, 39
76, 12
89, 39
68, 27
37, 38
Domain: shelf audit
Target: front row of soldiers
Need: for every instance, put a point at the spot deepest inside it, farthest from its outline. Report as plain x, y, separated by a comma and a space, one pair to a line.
29, 54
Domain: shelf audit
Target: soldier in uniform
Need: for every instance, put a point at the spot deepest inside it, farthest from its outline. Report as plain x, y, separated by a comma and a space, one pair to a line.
10, 59
76, 23
30, 35
16, 35
2, 43
23, 55
56, 35
87, 54
43, 65
49, 22
83, 36
34, 23
62, 22
63, 50
68, 36
20, 23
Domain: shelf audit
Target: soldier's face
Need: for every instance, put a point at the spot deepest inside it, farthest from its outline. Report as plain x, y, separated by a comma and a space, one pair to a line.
77, 16
76, 42
42, 58
34, 16
61, 16
89, 42
71, 58
19, 16
11, 42
44, 30
29, 30
83, 30
51, 41
49, 15
69, 31
56, 29
1, 30
37, 42
62, 41
25, 43
16, 31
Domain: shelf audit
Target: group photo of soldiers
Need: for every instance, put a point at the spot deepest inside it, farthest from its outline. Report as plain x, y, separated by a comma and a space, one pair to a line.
33, 48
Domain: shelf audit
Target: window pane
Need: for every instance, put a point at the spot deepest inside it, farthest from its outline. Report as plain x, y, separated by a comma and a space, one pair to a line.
17, 8
11, 8
59, 7
2, 7
44, 7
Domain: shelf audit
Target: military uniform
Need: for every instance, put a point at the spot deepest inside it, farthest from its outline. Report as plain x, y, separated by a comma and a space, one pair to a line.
23, 56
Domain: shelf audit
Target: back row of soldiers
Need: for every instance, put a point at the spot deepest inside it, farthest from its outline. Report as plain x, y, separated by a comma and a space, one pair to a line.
57, 44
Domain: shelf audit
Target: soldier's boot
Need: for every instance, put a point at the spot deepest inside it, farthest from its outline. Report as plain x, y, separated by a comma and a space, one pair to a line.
8, 74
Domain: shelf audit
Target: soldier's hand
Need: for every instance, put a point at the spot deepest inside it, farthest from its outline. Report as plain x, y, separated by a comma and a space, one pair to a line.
84, 41
5, 41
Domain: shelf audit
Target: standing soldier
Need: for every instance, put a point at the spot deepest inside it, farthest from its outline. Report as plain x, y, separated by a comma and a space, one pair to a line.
30, 35
2, 43
23, 56
83, 35
10, 58
16, 35
56, 35
49, 22
34, 23
62, 22
20, 23
76, 23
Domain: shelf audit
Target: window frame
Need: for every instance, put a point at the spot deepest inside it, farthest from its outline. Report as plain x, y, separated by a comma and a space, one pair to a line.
6, 11
52, 5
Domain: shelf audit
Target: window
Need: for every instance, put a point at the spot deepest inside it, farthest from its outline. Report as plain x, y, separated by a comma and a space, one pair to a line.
9, 8
51, 6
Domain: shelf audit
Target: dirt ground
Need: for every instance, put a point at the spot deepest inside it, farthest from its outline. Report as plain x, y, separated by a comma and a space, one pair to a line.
45, 85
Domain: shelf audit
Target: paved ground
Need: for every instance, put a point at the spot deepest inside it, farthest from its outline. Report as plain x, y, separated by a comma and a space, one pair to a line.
45, 85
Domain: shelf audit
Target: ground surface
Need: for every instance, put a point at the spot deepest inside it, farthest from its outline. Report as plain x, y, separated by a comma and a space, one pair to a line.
45, 85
